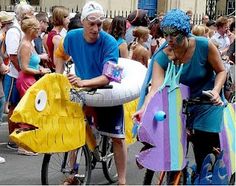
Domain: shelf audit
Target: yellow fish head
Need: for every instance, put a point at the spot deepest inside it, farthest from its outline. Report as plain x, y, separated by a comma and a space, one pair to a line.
56, 123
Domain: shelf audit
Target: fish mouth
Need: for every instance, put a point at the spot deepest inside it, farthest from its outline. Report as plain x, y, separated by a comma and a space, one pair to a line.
26, 127
146, 146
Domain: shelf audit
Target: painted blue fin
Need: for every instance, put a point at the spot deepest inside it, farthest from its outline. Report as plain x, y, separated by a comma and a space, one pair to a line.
175, 78
205, 176
219, 174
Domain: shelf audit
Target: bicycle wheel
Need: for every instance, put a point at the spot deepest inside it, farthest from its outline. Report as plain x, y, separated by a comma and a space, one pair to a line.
56, 168
108, 163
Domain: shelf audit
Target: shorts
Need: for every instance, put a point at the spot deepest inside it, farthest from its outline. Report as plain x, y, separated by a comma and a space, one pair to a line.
110, 121
23, 82
11, 93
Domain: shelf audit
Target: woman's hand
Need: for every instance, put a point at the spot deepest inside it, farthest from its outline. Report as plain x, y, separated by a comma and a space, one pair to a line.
43, 70
4, 69
215, 97
137, 116
44, 56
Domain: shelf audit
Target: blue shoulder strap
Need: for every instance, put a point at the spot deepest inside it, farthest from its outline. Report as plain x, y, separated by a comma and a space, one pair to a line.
148, 77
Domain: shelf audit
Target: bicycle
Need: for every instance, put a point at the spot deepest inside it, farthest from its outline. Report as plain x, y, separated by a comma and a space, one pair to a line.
187, 175
78, 164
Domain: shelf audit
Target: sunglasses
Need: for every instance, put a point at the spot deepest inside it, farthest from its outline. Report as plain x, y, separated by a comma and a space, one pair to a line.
173, 34
94, 18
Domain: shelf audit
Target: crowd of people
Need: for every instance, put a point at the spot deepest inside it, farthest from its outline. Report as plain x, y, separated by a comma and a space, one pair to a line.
33, 44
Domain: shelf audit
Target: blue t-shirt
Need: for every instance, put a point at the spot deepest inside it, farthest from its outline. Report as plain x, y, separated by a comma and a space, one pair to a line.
198, 75
120, 40
89, 58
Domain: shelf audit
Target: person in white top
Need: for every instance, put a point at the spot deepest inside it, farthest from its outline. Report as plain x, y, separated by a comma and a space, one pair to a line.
220, 38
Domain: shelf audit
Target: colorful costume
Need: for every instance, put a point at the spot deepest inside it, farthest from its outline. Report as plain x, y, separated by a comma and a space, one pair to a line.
89, 59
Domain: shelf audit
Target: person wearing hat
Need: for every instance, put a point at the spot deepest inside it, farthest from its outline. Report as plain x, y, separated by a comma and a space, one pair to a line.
202, 69
91, 48
6, 18
6, 21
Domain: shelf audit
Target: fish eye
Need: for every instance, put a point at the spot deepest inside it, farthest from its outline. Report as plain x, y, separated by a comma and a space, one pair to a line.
41, 100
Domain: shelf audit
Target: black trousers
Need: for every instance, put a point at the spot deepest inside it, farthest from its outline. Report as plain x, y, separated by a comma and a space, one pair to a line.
203, 143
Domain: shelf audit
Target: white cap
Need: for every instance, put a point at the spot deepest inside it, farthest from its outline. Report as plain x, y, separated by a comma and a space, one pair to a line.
90, 8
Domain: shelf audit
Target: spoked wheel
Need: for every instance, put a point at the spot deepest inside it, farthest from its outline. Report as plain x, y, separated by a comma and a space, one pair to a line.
58, 167
108, 165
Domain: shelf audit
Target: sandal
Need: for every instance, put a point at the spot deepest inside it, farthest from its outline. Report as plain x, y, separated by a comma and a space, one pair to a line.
71, 181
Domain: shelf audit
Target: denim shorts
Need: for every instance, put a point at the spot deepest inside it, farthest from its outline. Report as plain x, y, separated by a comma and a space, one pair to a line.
110, 121
11, 93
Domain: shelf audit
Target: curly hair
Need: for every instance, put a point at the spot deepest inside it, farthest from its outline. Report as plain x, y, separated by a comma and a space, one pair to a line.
178, 19
118, 27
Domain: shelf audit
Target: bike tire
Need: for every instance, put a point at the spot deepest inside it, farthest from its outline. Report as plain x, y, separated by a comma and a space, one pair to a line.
55, 168
108, 165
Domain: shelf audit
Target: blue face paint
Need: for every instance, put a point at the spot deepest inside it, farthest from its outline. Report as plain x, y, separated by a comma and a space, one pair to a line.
179, 38
173, 33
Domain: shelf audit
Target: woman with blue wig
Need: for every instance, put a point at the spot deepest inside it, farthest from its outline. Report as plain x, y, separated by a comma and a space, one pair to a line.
202, 70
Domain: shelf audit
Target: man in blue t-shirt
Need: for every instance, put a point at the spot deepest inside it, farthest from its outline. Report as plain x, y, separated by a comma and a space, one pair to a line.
90, 48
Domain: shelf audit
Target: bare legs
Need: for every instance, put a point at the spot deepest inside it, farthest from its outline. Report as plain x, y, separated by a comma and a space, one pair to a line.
120, 153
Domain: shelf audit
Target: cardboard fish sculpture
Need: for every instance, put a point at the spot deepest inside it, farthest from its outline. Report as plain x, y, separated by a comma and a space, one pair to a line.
56, 123
227, 138
163, 126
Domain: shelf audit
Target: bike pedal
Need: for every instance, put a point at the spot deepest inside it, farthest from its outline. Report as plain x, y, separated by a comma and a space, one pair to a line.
69, 171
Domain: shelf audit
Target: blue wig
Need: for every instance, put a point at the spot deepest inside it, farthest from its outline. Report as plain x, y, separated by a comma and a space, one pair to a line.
178, 19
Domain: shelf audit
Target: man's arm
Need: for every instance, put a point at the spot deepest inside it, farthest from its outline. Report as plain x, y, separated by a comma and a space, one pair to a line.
14, 60
59, 63
60, 57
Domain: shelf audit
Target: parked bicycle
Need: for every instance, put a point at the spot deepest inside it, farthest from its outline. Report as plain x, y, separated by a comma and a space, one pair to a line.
78, 164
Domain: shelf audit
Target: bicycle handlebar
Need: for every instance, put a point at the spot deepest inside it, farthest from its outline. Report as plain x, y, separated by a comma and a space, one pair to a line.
102, 87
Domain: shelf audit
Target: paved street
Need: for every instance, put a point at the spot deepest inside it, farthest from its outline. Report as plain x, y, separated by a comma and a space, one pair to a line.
25, 170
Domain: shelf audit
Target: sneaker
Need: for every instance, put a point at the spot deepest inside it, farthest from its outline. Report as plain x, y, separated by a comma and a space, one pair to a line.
2, 160
22, 151
12, 146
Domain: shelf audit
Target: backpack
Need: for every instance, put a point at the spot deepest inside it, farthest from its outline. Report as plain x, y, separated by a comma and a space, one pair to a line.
3, 52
